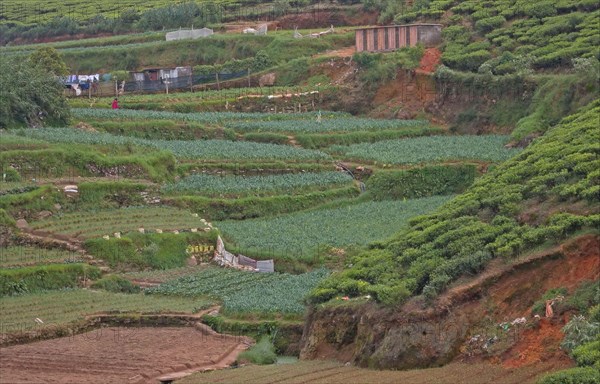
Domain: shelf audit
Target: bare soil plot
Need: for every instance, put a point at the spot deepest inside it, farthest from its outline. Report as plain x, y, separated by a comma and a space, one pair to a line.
114, 355
329, 372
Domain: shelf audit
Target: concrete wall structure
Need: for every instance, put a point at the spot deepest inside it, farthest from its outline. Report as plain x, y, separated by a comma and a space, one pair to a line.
389, 38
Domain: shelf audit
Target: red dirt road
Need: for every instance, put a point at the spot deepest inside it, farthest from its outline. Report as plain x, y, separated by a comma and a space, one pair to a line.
114, 355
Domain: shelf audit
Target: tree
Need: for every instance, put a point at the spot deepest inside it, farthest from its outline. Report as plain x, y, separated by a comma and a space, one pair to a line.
30, 95
50, 59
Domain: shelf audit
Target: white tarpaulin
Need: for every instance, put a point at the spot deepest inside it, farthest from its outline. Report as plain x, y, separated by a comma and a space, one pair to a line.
189, 34
228, 259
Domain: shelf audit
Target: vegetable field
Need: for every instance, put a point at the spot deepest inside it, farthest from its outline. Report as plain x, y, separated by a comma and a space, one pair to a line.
327, 125
28, 255
99, 223
187, 102
198, 117
246, 292
61, 307
299, 235
257, 185
431, 149
205, 150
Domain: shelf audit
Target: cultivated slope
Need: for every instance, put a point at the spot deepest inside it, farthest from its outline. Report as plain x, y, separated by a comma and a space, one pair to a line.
540, 197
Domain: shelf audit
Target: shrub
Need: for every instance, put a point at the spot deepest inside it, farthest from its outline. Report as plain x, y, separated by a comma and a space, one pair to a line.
114, 251
10, 174
588, 354
38, 278
421, 182
580, 375
261, 353
114, 283
490, 23
579, 331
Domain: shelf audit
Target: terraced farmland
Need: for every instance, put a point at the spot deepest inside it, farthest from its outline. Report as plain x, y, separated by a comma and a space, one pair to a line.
431, 149
327, 125
246, 292
96, 224
205, 150
199, 101
258, 185
28, 255
61, 307
299, 235
199, 117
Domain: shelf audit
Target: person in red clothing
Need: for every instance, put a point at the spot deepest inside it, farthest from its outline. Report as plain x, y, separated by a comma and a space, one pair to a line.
115, 104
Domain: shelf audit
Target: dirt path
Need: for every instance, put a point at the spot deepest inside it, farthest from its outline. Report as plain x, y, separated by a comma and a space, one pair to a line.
292, 141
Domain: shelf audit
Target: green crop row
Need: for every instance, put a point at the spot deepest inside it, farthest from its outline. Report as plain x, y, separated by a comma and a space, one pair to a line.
208, 149
105, 222
251, 206
431, 149
421, 182
162, 129
56, 308
327, 125
28, 255
246, 292
302, 235
324, 140
256, 185
44, 277
166, 101
213, 118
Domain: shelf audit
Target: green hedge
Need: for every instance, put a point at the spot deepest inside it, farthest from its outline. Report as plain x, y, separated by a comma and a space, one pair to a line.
39, 278
157, 251
120, 193
64, 160
114, 283
421, 182
579, 375
266, 137
250, 207
316, 141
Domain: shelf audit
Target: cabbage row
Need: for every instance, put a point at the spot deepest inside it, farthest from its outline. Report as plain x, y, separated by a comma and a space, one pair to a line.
324, 125
199, 117
431, 149
242, 291
206, 149
299, 235
256, 184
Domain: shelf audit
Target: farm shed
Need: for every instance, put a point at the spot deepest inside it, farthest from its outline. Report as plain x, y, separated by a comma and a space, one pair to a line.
392, 37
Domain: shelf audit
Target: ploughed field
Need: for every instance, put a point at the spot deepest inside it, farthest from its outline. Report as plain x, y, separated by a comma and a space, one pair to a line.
113, 355
329, 372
